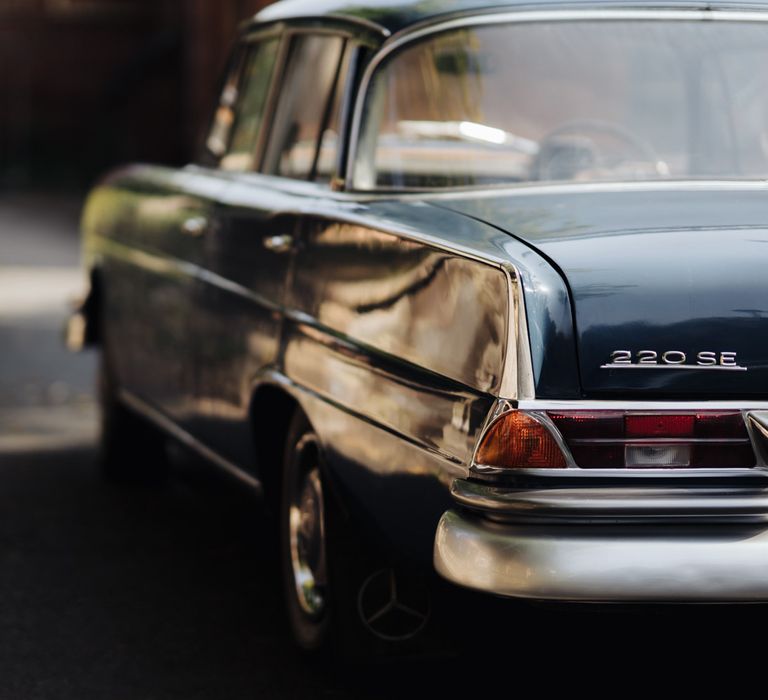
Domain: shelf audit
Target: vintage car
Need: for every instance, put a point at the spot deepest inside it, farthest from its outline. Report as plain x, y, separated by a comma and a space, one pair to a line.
472, 287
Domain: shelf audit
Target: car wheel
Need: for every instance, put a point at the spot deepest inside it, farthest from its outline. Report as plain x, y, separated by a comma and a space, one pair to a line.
303, 539
130, 448
342, 596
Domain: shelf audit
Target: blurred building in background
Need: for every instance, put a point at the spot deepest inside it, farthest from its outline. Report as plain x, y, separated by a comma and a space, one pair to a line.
87, 84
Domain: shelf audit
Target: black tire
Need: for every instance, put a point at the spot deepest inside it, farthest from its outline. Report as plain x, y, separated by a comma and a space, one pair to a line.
350, 575
131, 450
310, 613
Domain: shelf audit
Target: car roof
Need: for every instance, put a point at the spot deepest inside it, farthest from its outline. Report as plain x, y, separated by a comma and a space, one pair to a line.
390, 16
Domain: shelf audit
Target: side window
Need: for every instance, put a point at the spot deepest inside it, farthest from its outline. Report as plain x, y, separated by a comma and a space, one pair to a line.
221, 127
306, 106
330, 143
235, 128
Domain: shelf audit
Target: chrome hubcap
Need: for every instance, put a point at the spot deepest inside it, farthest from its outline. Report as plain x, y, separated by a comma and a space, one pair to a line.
307, 535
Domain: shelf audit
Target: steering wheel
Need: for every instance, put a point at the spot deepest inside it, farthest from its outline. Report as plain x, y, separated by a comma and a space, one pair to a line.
580, 154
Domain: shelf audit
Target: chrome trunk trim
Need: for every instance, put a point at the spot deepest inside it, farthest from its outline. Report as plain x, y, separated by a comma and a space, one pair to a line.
616, 504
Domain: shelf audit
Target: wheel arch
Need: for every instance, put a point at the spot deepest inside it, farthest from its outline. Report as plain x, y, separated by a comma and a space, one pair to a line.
271, 411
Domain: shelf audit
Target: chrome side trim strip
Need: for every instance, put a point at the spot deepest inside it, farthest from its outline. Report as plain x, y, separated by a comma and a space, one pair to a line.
166, 265
271, 375
169, 427
706, 563
169, 266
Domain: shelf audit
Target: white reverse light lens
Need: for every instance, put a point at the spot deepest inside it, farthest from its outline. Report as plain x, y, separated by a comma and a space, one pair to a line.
657, 455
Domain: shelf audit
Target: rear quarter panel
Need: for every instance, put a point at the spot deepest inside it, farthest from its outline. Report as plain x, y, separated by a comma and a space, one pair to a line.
397, 337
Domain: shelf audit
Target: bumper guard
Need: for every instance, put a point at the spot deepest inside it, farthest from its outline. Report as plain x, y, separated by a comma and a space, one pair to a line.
620, 544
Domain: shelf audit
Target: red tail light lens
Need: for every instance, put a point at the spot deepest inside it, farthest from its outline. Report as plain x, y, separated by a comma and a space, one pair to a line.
716, 425
656, 425
518, 441
614, 439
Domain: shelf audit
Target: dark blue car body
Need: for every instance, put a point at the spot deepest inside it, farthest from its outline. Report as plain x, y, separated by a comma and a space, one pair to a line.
403, 324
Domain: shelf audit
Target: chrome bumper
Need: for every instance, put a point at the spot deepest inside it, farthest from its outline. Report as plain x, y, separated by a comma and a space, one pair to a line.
612, 544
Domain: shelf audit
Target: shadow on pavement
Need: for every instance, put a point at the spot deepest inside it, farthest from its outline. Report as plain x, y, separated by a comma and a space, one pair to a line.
130, 592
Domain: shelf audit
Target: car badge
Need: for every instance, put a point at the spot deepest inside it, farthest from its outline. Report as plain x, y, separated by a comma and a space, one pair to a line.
674, 359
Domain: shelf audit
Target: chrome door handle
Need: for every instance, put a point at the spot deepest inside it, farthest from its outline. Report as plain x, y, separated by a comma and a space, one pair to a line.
195, 226
282, 243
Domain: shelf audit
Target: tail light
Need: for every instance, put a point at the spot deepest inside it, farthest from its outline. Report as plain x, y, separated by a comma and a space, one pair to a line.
659, 439
618, 439
519, 441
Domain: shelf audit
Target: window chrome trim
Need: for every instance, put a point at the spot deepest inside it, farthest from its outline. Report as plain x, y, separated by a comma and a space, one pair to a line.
275, 14
504, 190
246, 46
412, 35
277, 87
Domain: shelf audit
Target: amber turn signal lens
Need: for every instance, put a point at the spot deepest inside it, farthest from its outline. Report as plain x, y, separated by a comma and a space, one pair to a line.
517, 441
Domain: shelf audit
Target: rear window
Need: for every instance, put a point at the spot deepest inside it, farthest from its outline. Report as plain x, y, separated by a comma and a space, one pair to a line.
569, 101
